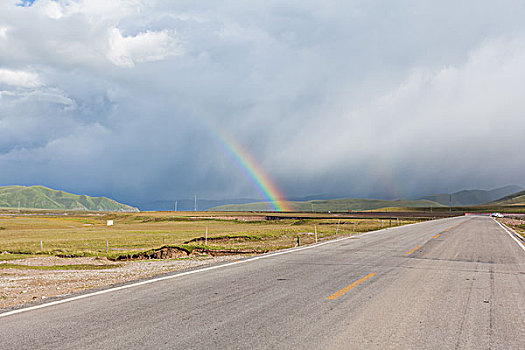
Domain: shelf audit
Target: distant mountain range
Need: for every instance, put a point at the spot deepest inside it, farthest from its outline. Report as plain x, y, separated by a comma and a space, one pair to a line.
457, 199
205, 204
344, 204
472, 197
40, 197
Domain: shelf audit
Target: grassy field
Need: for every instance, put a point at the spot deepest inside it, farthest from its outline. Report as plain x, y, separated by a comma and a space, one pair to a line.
86, 234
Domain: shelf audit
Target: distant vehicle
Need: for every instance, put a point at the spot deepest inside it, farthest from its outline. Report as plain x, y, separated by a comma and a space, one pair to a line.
496, 215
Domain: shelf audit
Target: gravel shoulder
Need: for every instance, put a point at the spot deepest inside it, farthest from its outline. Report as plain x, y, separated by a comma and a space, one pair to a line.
21, 286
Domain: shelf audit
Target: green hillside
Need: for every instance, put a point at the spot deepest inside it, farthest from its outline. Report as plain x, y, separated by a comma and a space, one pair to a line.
40, 197
345, 204
472, 197
513, 199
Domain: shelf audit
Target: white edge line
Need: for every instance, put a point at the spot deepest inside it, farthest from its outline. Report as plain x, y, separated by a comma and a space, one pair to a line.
510, 234
136, 284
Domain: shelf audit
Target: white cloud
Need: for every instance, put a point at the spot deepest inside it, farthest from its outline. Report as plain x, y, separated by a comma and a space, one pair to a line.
19, 78
327, 96
144, 47
93, 9
52, 9
447, 120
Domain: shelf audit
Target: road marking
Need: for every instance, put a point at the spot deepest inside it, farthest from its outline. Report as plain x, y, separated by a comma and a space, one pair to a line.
136, 284
350, 287
413, 250
436, 236
510, 234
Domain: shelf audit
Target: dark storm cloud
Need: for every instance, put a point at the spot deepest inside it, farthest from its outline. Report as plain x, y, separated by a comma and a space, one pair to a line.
361, 98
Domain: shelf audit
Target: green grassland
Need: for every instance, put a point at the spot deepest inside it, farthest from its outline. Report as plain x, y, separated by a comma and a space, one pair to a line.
40, 197
88, 235
335, 205
515, 199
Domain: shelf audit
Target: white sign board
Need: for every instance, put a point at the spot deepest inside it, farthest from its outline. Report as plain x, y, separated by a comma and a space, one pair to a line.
110, 223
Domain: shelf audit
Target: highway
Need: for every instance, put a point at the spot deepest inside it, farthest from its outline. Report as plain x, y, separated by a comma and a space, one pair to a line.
456, 283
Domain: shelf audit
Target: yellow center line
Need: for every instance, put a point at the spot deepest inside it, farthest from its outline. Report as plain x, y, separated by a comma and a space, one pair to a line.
350, 287
413, 250
436, 236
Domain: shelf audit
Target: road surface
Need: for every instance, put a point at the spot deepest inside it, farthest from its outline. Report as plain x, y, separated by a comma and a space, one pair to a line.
447, 284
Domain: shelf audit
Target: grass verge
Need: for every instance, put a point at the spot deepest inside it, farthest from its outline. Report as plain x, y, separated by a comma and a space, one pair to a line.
8, 257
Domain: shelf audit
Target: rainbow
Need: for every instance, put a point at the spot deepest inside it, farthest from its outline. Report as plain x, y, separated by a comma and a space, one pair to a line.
260, 179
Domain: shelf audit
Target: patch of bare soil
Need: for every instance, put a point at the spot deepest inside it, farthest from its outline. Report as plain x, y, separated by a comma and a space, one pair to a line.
516, 224
513, 221
23, 286
223, 239
233, 218
169, 252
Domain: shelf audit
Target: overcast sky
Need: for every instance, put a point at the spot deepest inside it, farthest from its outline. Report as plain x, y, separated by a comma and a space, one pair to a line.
361, 98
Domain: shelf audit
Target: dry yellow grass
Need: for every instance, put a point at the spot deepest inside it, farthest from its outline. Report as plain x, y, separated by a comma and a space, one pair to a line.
86, 234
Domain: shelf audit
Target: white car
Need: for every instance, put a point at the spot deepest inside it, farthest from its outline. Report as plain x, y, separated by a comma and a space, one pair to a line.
496, 215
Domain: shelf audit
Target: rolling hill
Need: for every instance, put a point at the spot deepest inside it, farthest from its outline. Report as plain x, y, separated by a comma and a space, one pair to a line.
345, 204
513, 199
472, 197
40, 197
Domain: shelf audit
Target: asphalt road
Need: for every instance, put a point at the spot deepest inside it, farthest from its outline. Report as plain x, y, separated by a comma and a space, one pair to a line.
447, 284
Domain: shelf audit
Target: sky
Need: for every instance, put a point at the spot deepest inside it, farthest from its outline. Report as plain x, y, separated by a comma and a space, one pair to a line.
382, 99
